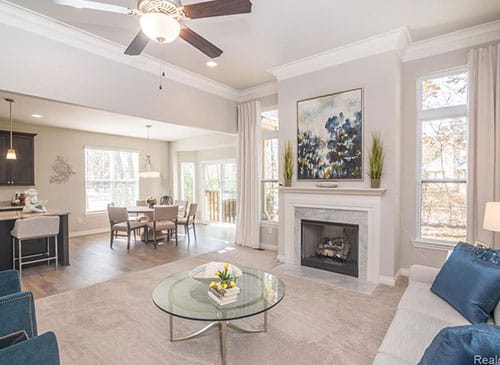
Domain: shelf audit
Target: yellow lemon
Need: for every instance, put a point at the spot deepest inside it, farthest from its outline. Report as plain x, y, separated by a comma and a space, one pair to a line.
233, 284
212, 284
219, 287
225, 286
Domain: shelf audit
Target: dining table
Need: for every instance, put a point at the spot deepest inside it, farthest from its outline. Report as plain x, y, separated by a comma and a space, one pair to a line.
144, 209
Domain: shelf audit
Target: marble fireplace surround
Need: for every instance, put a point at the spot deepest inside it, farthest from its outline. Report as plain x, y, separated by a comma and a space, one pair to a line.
342, 205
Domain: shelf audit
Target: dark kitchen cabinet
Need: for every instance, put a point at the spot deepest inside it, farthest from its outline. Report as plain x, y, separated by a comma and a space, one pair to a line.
22, 170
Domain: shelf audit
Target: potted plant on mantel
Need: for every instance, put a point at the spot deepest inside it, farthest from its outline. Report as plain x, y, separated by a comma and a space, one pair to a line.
376, 159
288, 163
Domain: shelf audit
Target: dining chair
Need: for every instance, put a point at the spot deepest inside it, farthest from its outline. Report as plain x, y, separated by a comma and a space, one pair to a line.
120, 222
164, 219
145, 217
189, 220
182, 204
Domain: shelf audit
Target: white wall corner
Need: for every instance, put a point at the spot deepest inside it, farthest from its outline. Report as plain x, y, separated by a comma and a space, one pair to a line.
394, 40
464, 38
26, 20
259, 91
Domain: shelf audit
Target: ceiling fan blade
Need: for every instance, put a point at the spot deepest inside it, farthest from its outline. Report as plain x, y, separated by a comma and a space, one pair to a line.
200, 43
85, 4
137, 45
217, 8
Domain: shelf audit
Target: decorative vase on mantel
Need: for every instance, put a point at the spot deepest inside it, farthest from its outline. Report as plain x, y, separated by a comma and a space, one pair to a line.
288, 165
375, 183
376, 160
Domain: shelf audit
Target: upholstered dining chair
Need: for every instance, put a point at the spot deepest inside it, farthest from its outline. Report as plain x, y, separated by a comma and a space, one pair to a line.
189, 220
120, 223
183, 205
164, 219
145, 217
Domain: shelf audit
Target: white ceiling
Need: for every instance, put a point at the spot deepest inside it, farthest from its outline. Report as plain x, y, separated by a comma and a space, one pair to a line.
281, 31
57, 114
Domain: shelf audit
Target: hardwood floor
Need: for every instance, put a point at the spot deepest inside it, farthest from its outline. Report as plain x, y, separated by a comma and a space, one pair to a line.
92, 261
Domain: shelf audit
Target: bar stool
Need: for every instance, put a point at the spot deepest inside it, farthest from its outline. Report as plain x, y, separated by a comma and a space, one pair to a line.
32, 228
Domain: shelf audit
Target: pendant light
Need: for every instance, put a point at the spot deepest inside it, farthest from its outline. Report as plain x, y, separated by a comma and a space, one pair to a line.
11, 152
148, 172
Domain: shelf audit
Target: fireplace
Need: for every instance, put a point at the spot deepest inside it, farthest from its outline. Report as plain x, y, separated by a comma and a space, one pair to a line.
330, 246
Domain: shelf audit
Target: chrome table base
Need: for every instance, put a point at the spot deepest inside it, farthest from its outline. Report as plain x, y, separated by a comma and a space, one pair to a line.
223, 326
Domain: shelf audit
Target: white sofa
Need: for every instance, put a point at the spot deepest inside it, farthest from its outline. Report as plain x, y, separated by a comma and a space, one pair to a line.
420, 316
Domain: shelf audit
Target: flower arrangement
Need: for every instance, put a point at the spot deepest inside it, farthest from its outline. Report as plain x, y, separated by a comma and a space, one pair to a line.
150, 201
227, 281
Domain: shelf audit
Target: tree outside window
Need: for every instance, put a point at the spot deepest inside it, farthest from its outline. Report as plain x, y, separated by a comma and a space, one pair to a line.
443, 156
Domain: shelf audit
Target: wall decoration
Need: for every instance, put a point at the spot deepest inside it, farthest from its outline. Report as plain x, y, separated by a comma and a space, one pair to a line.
330, 137
62, 171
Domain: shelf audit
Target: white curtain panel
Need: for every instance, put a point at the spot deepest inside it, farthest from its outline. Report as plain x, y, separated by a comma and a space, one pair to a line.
248, 202
483, 184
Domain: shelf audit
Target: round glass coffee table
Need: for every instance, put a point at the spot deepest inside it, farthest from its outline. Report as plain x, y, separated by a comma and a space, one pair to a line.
181, 296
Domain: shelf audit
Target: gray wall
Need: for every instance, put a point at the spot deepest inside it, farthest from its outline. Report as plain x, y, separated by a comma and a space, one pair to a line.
51, 142
380, 78
33, 65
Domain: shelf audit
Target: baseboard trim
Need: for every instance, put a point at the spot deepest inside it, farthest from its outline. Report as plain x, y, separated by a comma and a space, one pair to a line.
269, 247
88, 232
387, 280
391, 280
404, 271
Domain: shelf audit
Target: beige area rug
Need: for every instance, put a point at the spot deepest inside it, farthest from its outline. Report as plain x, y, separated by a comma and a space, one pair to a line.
115, 322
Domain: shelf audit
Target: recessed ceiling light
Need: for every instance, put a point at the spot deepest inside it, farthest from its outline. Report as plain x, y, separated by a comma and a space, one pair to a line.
38, 116
211, 64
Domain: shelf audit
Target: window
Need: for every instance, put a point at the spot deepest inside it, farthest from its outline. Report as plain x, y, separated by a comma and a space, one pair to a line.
187, 181
270, 158
442, 116
110, 176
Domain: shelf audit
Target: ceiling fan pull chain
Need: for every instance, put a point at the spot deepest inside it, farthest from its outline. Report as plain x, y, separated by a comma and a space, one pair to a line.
162, 70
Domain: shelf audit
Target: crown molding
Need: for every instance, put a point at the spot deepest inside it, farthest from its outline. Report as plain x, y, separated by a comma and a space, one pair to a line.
464, 38
30, 21
394, 40
259, 91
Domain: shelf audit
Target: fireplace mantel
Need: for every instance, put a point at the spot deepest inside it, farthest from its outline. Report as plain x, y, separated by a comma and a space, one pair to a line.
343, 201
333, 191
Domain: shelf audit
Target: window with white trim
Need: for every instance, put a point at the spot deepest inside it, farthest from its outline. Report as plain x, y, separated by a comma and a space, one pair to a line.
442, 151
270, 159
187, 181
111, 176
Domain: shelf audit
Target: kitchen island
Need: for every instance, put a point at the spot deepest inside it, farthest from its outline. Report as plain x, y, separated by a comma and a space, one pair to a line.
31, 247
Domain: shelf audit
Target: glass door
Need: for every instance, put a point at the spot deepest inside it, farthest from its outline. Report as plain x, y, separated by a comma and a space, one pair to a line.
220, 192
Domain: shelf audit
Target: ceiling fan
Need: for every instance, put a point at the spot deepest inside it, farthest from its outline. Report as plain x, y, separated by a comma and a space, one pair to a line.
163, 20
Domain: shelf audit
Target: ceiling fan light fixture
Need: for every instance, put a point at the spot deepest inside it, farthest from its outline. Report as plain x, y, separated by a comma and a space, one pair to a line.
160, 27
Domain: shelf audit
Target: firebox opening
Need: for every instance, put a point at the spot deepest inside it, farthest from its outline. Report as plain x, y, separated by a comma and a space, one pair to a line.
330, 246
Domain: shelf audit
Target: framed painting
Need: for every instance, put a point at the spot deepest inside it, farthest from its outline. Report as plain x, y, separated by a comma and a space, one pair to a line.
330, 137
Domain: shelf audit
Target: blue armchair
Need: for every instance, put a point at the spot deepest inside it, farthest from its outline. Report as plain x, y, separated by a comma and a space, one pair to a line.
17, 315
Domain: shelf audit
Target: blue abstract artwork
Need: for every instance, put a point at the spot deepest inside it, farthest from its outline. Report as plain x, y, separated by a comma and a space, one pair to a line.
330, 137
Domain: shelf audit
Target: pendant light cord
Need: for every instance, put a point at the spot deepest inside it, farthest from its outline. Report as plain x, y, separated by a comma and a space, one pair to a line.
10, 116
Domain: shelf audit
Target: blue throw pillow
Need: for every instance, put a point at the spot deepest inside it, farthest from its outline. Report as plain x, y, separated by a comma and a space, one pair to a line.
470, 281
464, 345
